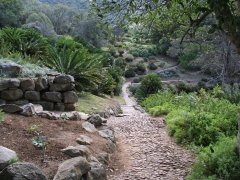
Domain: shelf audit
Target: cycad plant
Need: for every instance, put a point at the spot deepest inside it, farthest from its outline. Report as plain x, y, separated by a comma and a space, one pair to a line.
85, 67
28, 42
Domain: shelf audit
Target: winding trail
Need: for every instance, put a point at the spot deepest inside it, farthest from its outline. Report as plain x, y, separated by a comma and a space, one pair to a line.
153, 154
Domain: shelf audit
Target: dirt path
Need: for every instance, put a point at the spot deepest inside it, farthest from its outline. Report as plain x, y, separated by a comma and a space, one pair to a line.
146, 150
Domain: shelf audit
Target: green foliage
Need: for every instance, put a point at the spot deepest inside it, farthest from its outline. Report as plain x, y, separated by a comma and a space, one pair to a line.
187, 58
68, 43
120, 62
232, 93
1, 116
197, 119
140, 67
134, 88
39, 143
28, 42
13, 160
182, 86
152, 66
129, 73
84, 67
129, 57
163, 45
151, 83
11, 13
140, 95
219, 161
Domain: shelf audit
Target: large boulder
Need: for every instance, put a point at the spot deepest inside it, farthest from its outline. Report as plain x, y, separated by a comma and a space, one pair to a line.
9, 84
98, 171
32, 95
63, 79
5, 157
95, 119
27, 84
75, 151
12, 94
22, 171
70, 97
89, 127
10, 108
52, 96
28, 110
73, 169
41, 83
10, 69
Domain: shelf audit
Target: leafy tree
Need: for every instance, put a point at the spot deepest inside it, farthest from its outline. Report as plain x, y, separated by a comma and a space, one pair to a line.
227, 13
10, 13
150, 84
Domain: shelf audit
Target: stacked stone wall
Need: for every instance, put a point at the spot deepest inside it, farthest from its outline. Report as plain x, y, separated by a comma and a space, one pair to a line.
53, 93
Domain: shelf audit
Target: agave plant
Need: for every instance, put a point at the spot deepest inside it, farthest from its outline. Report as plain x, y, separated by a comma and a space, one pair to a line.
85, 67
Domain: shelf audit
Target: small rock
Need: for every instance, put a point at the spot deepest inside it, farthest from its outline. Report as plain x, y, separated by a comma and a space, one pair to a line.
98, 171
103, 158
28, 110
95, 119
75, 151
89, 127
107, 133
84, 140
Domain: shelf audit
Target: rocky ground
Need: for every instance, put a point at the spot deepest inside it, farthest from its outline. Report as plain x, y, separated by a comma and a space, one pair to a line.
146, 151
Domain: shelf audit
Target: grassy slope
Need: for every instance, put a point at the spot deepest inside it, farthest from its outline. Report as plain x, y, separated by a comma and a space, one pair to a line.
91, 104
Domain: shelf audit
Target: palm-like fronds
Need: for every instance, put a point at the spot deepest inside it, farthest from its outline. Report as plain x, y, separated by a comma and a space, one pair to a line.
85, 68
27, 41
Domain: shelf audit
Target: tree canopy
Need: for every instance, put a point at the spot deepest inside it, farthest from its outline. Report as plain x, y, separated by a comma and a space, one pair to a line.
180, 12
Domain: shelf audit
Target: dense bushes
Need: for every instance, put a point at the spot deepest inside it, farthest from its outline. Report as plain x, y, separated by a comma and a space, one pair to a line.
198, 119
129, 57
218, 162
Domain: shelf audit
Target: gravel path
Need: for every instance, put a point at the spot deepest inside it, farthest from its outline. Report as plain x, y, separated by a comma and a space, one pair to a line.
153, 154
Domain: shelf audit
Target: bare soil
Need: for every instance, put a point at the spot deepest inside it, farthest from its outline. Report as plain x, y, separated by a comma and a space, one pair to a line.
14, 134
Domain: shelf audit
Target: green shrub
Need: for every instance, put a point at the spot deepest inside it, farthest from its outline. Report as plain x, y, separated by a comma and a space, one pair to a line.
198, 119
139, 95
152, 57
140, 67
120, 62
129, 57
217, 162
28, 42
121, 52
187, 58
134, 88
232, 93
163, 45
144, 53
182, 86
152, 66
130, 73
136, 80
151, 83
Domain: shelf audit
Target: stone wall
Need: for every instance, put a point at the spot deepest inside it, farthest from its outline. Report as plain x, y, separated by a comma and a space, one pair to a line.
53, 93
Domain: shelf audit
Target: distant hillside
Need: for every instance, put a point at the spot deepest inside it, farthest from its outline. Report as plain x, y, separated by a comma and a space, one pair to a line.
79, 4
